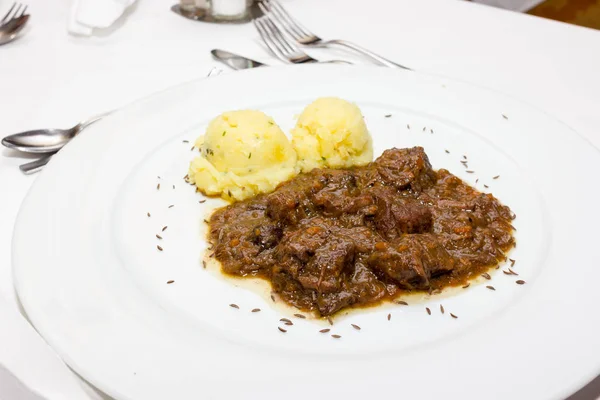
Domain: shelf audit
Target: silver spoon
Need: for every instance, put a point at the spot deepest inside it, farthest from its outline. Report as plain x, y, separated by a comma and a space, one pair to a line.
47, 140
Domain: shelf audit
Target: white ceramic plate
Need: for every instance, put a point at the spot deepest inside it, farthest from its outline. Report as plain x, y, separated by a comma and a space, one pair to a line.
93, 283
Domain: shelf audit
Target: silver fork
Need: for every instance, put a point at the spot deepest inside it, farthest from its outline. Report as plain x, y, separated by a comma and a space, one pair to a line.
283, 48
18, 13
306, 38
12, 23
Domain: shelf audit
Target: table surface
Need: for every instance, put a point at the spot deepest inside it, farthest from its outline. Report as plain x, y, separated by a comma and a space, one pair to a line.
51, 79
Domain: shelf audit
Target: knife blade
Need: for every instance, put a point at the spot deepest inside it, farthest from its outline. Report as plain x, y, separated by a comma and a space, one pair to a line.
235, 61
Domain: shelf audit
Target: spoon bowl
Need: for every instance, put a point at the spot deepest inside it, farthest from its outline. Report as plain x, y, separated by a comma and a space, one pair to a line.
40, 140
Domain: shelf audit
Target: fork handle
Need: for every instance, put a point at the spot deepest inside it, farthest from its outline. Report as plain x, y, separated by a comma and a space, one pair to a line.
34, 166
375, 57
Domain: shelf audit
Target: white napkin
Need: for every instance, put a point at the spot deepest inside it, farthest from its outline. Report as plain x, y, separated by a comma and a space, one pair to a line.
87, 15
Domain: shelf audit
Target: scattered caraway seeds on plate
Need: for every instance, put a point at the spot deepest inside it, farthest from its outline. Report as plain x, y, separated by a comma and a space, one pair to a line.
355, 327
158, 186
389, 317
430, 130
424, 128
285, 320
336, 336
486, 276
170, 281
324, 330
201, 201
164, 228
512, 262
330, 321
447, 152
299, 316
465, 157
453, 316
193, 147
172, 205
407, 126
148, 214
504, 116
464, 162
466, 286
273, 298
255, 310
185, 141
159, 248
496, 177
491, 287
441, 308
205, 221
288, 323
506, 272
233, 305
470, 171
173, 186
520, 282
428, 310
281, 329
512, 272
388, 115
203, 264
402, 302
476, 180
158, 236
485, 186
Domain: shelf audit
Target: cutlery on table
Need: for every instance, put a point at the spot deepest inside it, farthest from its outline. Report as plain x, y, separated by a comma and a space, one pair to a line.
280, 45
47, 140
306, 38
12, 23
235, 61
35, 166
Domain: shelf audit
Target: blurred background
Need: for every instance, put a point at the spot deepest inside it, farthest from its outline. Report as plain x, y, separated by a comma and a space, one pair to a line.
578, 12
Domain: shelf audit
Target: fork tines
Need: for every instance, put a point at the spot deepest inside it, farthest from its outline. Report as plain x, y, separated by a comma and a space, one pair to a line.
278, 43
285, 20
19, 10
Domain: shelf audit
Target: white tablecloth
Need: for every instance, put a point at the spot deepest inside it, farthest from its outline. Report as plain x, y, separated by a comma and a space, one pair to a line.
48, 79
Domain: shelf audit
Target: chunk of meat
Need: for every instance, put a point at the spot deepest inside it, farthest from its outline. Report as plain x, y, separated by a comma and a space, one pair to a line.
404, 168
266, 235
323, 272
396, 216
290, 203
412, 260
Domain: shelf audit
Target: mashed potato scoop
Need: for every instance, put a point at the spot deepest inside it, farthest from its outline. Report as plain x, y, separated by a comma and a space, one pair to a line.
331, 132
242, 154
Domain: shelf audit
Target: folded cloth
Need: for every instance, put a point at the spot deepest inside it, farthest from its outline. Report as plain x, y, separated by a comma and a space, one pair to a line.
87, 15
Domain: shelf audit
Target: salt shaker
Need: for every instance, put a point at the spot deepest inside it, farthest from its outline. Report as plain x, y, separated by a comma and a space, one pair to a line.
229, 10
